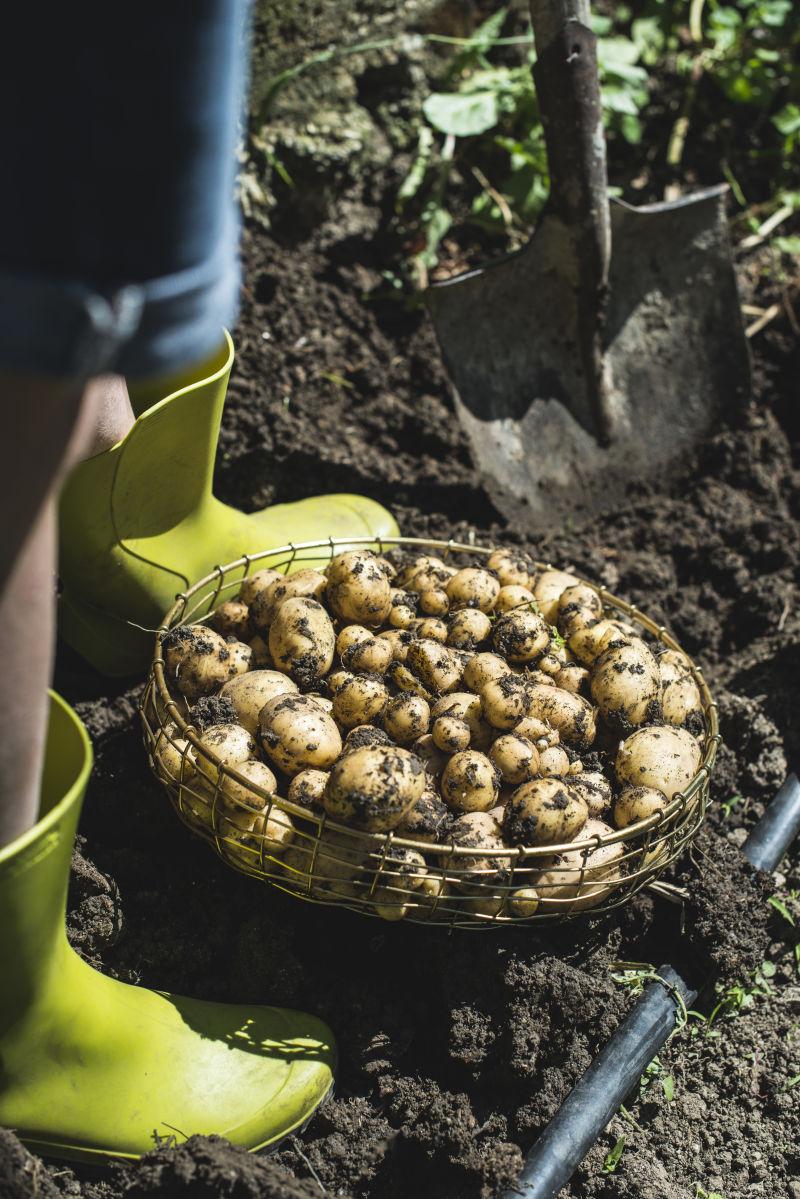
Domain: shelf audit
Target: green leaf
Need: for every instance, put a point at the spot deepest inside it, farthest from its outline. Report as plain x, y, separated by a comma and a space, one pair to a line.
787, 121
612, 1158
785, 245
774, 901
768, 969
668, 1087
463, 116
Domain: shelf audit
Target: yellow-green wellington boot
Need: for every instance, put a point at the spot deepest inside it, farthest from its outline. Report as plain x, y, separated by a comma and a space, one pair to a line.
92, 1067
139, 523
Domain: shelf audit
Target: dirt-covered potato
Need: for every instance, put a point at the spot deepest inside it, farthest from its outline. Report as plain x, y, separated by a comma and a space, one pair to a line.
403, 678
544, 812
261, 657
303, 583
467, 628
198, 660
538, 732
296, 733
662, 757
571, 714
626, 685
374, 788
513, 568
550, 585
429, 820
463, 705
429, 627
680, 695
473, 588
425, 573
256, 583
402, 870
587, 644
515, 757
470, 782
434, 602
572, 677
358, 701
406, 718
520, 636
477, 875
402, 612
273, 830
435, 665
238, 801
485, 668
430, 896
554, 762
249, 692
230, 742
450, 734
174, 756
306, 788
358, 590
363, 735
523, 902
433, 759
302, 640
399, 640
594, 789
511, 597
504, 701
580, 879
637, 803
579, 607
232, 619
350, 636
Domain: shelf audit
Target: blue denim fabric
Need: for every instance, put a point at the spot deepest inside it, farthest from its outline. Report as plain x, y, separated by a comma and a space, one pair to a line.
118, 231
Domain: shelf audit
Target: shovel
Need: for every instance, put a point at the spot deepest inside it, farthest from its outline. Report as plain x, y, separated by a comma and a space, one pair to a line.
579, 371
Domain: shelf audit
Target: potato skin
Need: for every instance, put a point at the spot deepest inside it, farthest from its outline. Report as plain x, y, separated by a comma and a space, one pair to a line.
504, 701
302, 640
358, 701
307, 788
584, 878
249, 692
254, 584
199, 661
485, 668
435, 665
544, 812
470, 782
472, 588
467, 628
661, 757
637, 803
571, 714
680, 696
232, 619
512, 567
231, 743
296, 734
595, 791
265, 606
407, 717
515, 757
626, 684
548, 589
450, 734
520, 636
374, 788
358, 590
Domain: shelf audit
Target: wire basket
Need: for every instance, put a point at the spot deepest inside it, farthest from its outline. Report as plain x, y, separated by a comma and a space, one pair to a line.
381, 874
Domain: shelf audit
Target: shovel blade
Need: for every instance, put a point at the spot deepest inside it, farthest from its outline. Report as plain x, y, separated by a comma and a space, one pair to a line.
675, 357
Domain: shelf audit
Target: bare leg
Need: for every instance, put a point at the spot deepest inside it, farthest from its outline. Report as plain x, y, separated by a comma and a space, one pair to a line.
49, 426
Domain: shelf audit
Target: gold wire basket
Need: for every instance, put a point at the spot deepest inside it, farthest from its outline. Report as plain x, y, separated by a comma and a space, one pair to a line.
372, 873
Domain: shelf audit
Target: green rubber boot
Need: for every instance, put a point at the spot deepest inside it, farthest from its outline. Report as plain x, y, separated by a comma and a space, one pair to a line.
140, 523
91, 1067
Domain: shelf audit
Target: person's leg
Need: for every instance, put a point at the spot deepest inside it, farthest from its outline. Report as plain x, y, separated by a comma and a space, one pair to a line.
48, 427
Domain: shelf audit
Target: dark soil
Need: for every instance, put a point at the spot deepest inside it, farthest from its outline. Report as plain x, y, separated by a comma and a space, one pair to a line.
456, 1049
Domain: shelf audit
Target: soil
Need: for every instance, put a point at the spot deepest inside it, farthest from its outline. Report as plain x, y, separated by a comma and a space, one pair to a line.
456, 1049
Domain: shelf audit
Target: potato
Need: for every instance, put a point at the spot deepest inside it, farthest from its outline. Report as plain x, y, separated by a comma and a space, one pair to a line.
463, 705
581, 879
296, 734
262, 658
538, 732
254, 584
399, 640
430, 897
301, 640
523, 902
513, 568
587, 644
594, 789
402, 612
249, 692
429, 820
199, 661
637, 803
548, 589
360, 700
406, 718
472, 588
572, 677
425, 573
511, 597
504, 701
386, 567
485, 668
544, 812
571, 714
350, 636
520, 636
435, 665
579, 607
477, 875
306, 788
428, 752
363, 735
232, 619
467, 628
470, 782
626, 685
680, 695
404, 679
374, 788
231, 743
515, 757
429, 627
303, 583
450, 734
239, 803
273, 831
401, 870
324, 868
434, 602
662, 757
553, 762
358, 590
174, 756
337, 679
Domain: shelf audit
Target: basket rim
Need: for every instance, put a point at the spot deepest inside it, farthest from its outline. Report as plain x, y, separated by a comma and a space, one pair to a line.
632, 832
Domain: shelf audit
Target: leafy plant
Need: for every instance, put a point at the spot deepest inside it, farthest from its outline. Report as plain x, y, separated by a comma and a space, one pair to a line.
613, 1157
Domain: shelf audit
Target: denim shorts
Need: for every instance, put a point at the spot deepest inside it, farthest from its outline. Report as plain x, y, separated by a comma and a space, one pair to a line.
118, 226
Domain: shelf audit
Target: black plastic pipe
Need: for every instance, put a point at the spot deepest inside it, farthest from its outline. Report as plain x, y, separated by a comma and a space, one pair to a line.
643, 1033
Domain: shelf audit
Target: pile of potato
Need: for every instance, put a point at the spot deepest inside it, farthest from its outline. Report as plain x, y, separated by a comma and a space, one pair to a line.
480, 707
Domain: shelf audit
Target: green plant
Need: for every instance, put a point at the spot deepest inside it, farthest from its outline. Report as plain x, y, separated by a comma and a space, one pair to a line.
739, 996
614, 1156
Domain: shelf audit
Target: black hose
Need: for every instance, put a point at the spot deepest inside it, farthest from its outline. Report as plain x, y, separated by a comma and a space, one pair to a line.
598, 1094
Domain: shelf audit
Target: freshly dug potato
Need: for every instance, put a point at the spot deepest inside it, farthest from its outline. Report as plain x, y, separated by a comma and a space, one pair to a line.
450, 734
174, 756
429, 820
680, 695
428, 752
231, 743
363, 735
238, 802
513, 568
360, 700
307, 788
273, 831
470, 782
587, 644
406, 718
579, 607
472, 588
485, 668
350, 636
296, 734
434, 602
429, 627
467, 628
553, 762
358, 590
512, 597
404, 679
544, 812
637, 803
374, 788
477, 875
262, 658
435, 665
594, 789
301, 640
626, 685
232, 619
571, 714
548, 589
386, 567
425, 573
254, 584
572, 677
523, 902
199, 661
402, 613
662, 757
430, 896
463, 705
537, 731
399, 640
582, 878
520, 636
303, 583
515, 757
504, 701
402, 870
249, 692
